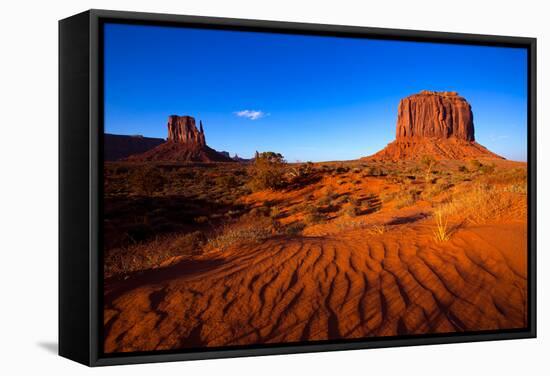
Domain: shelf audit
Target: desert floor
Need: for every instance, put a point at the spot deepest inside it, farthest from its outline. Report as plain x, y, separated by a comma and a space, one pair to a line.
354, 250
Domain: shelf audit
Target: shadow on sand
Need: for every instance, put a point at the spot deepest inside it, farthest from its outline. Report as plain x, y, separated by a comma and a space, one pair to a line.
114, 287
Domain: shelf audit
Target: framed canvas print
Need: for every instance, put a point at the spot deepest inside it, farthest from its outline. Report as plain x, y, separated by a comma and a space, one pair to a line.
239, 187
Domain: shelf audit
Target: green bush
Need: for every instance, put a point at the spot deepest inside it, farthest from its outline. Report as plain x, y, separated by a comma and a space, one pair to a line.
268, 171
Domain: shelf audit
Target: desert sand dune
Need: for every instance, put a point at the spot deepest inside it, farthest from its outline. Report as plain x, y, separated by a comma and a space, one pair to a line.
356, 285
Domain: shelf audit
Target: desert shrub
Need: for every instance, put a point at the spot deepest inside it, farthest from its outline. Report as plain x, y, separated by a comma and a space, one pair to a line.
475, 164
232, 213
328, 197
201, 219
429, 163
185, 174
342, 199
462, 169
330, 193
342, 169
407, 198
227, 181
487, 169
370, 205
148, 255
275, 212
372, 171
248, 228
263, 210
147, 180
313, 215
413, 170
268, 171
352, 210
295, 228
298, 172
354, 201
296, 208
436, 189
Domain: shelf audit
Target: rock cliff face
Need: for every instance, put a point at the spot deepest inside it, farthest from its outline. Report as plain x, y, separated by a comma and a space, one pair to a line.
440, 124
435, 114
183, 130
185, 143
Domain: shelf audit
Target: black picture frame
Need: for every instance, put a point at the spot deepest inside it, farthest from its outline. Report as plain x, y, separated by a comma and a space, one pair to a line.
80, 185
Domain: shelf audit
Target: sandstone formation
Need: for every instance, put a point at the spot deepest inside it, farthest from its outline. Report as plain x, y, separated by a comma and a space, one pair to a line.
185, 143
439, 124
182, 129
117, 146
438, 115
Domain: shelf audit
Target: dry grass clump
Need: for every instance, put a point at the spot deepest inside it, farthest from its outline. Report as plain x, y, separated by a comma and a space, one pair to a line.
352, 224
378, 229
429, 164
407, 198
246, 229
442, 231
437, 189
517, 177
480, 204
143, 256
516, 188
386, 197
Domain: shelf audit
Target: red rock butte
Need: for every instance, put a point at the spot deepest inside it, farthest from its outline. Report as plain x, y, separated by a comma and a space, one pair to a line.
440, 124
185, 143
183, 130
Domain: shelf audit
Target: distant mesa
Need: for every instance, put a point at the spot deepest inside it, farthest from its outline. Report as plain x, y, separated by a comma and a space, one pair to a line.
440, 124
236, 157
117, 146
185, 143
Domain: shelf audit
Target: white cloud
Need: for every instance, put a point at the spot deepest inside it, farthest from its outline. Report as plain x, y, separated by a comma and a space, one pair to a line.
251, 114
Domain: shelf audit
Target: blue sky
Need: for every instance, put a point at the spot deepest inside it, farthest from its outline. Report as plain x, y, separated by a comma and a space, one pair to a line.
310, 98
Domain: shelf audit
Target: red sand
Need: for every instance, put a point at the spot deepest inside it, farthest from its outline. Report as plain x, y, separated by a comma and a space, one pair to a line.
316, 288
